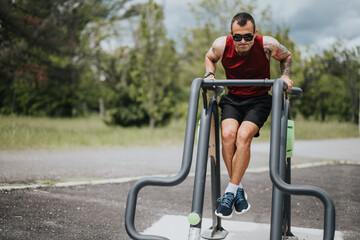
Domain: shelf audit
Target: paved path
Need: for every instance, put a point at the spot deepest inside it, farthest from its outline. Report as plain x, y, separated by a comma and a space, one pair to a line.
333, 149
97, 211
22, 167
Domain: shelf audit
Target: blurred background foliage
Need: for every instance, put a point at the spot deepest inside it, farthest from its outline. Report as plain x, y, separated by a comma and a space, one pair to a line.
53, 61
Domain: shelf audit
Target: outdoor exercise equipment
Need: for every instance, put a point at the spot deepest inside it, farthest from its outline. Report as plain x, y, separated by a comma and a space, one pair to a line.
209, 150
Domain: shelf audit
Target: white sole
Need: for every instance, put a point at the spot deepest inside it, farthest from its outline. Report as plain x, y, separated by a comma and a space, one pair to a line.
222, 216
245, 210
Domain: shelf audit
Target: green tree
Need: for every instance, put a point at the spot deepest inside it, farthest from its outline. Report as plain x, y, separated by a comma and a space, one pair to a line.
51, 56
40, 53
351, 63
125, 110
331, 83
108, 65
154, 71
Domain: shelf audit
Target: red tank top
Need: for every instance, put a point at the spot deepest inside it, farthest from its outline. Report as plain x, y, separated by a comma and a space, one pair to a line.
253, 66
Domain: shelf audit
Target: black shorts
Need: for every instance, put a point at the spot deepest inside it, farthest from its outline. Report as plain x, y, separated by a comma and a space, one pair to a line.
255, 109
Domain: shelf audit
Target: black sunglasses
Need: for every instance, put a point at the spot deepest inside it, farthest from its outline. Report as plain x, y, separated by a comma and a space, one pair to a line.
247, 37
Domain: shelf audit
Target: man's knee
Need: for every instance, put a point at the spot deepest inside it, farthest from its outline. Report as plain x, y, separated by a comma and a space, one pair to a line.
229, 128
228, 135
244, 137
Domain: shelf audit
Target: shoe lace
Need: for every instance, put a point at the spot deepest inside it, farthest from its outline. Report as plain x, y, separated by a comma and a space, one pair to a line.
240, 195
226, 200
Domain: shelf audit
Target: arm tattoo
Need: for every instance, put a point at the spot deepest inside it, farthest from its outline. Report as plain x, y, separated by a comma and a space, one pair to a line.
274, 49
268, 52
282, 51
267, 49
285, 65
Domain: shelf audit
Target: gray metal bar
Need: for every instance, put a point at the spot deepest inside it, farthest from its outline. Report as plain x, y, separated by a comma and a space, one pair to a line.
329, 208
282, 159
287, 197
216, 231
201, 163
156, 181
287, 202
215, 172
278, 197
248, 82
237, 82
296, 91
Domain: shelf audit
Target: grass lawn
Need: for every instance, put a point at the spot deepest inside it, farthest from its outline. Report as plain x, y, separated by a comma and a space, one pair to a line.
41, 133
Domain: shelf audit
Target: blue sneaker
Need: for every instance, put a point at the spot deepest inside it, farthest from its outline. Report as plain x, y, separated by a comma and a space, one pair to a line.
226, 206
241, 203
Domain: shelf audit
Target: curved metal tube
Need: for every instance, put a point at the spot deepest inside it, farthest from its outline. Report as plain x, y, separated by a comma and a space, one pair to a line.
296, 91
329, 208
172, 181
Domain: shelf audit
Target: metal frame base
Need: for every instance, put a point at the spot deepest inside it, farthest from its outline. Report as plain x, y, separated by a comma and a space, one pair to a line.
211, 234
290, 238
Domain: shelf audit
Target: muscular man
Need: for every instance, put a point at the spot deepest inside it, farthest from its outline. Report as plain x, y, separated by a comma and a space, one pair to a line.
244, 55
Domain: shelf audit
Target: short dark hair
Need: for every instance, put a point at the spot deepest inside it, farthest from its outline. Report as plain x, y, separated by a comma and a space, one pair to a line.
242, 19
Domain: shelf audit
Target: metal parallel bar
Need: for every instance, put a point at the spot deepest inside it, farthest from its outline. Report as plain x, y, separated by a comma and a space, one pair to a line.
282, 160
200, 170
287, 197
329, 208
287, 201
284, 126
238, 82
278, 196
215, 170
216, 231
296, 91
180, 177
248, 82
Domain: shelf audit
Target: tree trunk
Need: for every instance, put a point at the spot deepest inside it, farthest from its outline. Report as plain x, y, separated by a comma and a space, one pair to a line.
101, 108
152, 123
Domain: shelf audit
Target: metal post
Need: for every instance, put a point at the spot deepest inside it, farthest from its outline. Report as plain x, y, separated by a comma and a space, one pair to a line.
200, 171
282, 159
215, 231
287, 197
278, 197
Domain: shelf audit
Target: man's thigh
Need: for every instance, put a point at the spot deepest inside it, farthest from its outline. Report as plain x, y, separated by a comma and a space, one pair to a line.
255, 110
259, 111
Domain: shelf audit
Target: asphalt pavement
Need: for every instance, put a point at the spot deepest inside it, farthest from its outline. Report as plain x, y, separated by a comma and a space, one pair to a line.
96, 211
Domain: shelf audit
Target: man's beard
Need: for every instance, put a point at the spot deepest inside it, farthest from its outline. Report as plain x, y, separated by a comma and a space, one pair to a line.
244, 53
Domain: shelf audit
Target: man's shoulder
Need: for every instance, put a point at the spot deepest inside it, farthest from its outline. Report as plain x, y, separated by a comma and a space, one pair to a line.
269, 41
220, 41
219, 45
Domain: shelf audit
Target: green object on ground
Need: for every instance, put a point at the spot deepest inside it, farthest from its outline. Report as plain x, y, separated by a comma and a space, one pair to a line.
194, 218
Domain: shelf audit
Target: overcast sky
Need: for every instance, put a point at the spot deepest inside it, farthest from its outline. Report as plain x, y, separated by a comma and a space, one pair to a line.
317, 23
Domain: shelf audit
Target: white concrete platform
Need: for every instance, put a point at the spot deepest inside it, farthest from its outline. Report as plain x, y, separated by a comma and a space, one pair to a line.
177, 228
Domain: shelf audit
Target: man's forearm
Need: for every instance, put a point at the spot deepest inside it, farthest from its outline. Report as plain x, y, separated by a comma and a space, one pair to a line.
285, 65
210, 65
